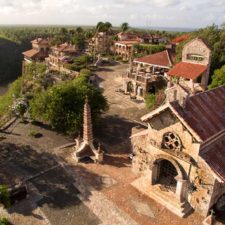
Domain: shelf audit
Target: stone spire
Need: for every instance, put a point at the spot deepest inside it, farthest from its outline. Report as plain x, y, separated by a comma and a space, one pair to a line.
87, 126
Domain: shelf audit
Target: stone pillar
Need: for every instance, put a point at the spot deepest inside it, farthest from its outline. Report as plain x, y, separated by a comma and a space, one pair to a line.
181, 188
192, 86
87, 129
153, 174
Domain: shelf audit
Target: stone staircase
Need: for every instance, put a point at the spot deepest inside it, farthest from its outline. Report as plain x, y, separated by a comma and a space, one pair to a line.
165, 198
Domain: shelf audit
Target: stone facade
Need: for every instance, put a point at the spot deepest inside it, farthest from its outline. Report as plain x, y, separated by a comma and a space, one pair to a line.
196, 51
192, 74
167, 139
100, 44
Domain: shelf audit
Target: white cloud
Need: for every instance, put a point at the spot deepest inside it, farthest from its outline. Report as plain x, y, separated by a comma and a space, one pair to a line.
165, 3
185, 13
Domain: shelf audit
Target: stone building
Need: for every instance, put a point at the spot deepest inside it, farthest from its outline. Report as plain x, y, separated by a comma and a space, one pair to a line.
85, 147
101, 43
192, 73
124, 48
147, 74
39, 51
60, 55
180, 157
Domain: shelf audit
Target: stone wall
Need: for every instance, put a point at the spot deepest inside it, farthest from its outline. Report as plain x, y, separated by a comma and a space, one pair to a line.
197, 47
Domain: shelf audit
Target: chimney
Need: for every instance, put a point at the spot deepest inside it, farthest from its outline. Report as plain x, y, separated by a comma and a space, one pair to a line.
87, 126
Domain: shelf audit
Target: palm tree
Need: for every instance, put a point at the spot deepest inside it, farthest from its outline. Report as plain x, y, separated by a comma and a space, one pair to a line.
107, 26
79, 30
124, 27
99, 26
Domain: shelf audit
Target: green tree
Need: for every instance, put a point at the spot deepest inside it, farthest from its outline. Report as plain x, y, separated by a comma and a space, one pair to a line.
124, 27
79, 30
62, 105
218, 78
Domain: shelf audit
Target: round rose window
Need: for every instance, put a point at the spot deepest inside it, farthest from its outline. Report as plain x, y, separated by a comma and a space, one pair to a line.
171, 141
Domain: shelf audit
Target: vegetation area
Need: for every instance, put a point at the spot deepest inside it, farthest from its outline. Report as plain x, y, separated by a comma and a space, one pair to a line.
141, 50
4, 196
79, 63
153, 101
4, 221
62, 105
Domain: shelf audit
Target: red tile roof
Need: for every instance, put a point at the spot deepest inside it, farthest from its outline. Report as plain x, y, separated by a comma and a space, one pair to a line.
187, 70
128, 42
204, 112
160, 59
181, 38
214, 155
31, 53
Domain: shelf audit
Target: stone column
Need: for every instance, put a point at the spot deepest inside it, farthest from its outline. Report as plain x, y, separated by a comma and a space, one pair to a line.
181, 188
87, 129
153, 174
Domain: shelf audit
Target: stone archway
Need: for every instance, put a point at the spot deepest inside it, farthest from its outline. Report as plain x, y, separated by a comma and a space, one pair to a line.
130, 87
173, 180
167, 175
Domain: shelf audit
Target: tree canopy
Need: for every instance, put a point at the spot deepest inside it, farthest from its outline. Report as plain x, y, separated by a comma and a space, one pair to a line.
62, 105
124, 27
218, 78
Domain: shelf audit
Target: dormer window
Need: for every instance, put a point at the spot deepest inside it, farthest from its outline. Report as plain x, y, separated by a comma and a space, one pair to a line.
171, 141
195, 57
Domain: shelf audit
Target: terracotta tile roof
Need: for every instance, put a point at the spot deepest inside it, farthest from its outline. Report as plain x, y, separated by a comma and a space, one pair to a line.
181, 38
31, 53
214, 155
160, 58
40, 41
204, 112
128, 42
187, 70
65, 48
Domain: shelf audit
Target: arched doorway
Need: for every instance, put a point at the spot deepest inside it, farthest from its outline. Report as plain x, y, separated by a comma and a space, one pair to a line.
130, 87
167, 175
219, 209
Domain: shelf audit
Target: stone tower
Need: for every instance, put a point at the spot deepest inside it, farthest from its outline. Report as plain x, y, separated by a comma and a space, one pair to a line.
85, 148
87, 127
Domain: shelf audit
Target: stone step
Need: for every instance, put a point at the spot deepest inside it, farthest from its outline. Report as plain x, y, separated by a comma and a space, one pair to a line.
178, 208
168, 200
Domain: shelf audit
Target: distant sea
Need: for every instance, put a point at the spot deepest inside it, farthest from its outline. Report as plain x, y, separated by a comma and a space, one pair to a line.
172, 29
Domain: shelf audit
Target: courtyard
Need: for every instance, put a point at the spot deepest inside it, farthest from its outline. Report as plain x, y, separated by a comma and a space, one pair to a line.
63, 192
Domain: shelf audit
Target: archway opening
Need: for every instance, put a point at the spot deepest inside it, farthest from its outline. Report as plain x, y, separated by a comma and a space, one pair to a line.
167, 175
130, 87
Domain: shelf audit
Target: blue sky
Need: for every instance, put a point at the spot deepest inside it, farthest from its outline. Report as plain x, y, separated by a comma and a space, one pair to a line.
165, 13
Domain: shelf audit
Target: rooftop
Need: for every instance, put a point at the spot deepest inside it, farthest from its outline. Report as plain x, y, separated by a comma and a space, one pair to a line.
31, 53
204, 112
187, 70
180, 39
161, 59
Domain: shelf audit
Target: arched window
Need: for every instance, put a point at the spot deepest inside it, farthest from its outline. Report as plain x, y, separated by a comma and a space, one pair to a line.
171, 141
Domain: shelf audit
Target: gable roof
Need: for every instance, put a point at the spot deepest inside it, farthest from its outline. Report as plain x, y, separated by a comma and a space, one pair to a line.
159, 58
214, 155
187, 70
203, 115
181, 38
204, 112
31, 53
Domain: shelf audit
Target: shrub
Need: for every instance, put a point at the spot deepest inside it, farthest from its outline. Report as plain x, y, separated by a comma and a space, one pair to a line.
4, 221
4, 196
150, 101
62, 105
